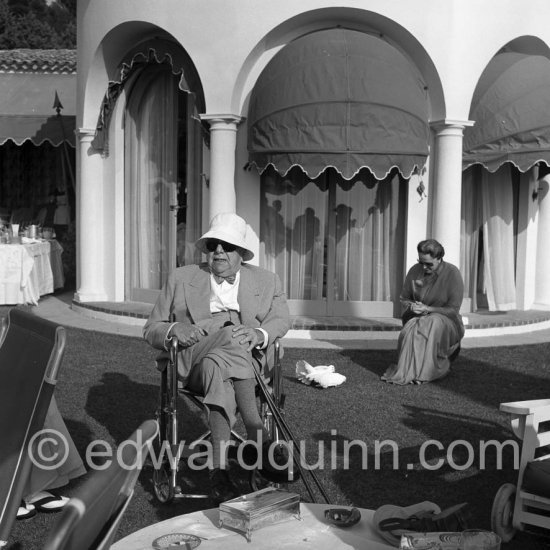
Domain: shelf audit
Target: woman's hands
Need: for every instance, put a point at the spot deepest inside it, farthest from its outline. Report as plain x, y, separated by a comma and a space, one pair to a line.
419, 308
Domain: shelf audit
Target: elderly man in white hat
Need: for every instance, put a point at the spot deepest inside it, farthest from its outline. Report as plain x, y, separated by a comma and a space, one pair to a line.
225, 314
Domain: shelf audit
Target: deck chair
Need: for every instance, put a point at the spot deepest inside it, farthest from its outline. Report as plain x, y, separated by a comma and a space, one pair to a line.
89, 521
526, 504
31, 351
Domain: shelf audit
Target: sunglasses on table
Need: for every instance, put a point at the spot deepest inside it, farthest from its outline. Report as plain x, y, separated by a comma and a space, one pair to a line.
212, 245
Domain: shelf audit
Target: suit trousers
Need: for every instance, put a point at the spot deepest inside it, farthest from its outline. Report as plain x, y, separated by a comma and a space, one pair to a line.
215, 361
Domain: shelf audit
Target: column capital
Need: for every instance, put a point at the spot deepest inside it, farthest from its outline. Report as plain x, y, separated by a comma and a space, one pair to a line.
450, 125
85, 134
222, 119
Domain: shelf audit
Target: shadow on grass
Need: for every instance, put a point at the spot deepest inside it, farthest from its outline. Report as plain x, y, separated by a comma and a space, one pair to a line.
121, 404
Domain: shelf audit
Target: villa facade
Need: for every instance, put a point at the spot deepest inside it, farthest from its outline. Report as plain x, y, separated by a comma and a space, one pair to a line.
342, 134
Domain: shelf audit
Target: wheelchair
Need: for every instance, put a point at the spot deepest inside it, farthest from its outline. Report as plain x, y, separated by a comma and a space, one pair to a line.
528, 503
166, 471
166, 483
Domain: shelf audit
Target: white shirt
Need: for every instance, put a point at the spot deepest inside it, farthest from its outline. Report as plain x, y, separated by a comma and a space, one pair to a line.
223, 296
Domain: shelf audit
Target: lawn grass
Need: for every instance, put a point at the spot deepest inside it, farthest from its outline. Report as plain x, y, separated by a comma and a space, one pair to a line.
108, 385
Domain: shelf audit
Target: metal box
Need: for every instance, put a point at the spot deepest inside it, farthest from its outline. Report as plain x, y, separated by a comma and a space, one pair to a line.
431, 541
253, 511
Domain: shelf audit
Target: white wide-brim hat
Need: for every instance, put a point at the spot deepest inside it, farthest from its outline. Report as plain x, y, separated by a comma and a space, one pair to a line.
230, 228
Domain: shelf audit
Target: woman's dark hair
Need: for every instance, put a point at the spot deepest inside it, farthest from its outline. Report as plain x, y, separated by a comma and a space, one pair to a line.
431, 247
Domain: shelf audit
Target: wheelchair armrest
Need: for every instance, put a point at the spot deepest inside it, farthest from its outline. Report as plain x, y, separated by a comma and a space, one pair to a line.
277, 350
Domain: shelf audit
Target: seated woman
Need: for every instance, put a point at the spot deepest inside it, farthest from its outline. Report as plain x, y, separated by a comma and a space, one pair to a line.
55, 462
432, 326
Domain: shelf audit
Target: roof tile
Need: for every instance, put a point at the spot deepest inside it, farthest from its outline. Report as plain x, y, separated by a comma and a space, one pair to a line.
42, 61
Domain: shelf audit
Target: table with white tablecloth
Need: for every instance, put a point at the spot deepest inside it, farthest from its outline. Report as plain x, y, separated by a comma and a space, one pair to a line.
310, 531
29, 270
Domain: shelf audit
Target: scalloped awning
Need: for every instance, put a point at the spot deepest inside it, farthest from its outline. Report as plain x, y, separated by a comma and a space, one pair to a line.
139, 58
339, 98
511, 110
27, 111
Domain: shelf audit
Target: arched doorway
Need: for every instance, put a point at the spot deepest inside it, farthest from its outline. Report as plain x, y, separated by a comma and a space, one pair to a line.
505, 153
338, 123
163, 145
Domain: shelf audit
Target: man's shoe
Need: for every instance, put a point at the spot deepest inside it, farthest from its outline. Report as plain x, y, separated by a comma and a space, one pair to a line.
281, 468
249, 453
221, 486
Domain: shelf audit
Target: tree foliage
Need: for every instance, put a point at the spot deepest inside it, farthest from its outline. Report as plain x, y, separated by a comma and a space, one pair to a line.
37, 24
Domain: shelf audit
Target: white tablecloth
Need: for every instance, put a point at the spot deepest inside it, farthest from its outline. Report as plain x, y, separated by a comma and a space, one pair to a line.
28, 271
312, 532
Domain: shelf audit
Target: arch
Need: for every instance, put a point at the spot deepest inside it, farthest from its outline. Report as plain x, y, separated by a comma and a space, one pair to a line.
511, 108
350, 18
113, 65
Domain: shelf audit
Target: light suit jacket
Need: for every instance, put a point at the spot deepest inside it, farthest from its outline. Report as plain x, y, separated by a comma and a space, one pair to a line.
186, 295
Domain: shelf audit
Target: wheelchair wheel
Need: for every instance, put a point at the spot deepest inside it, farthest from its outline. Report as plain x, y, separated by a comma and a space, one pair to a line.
162, 473
162, 483
502, 513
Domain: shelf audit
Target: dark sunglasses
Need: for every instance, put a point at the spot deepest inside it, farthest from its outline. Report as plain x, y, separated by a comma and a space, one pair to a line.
427, 264
212, 245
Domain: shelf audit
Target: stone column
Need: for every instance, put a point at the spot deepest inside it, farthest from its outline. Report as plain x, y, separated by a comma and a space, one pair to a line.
542, 280
223, 142
90, 227
447, 187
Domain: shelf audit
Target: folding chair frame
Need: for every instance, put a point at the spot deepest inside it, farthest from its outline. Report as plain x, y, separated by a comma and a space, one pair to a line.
89, 521
31, 352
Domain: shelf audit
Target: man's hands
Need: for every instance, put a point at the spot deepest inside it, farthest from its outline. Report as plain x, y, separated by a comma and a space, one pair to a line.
249, 336
187, 335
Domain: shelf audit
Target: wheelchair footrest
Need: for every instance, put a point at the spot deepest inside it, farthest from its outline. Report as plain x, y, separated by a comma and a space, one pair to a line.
190, 495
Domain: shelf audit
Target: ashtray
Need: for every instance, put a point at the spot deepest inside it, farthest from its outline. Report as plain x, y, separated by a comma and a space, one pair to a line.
176, 540
342, 517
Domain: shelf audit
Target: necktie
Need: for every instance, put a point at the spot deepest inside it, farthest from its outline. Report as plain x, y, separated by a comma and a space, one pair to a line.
230, 279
